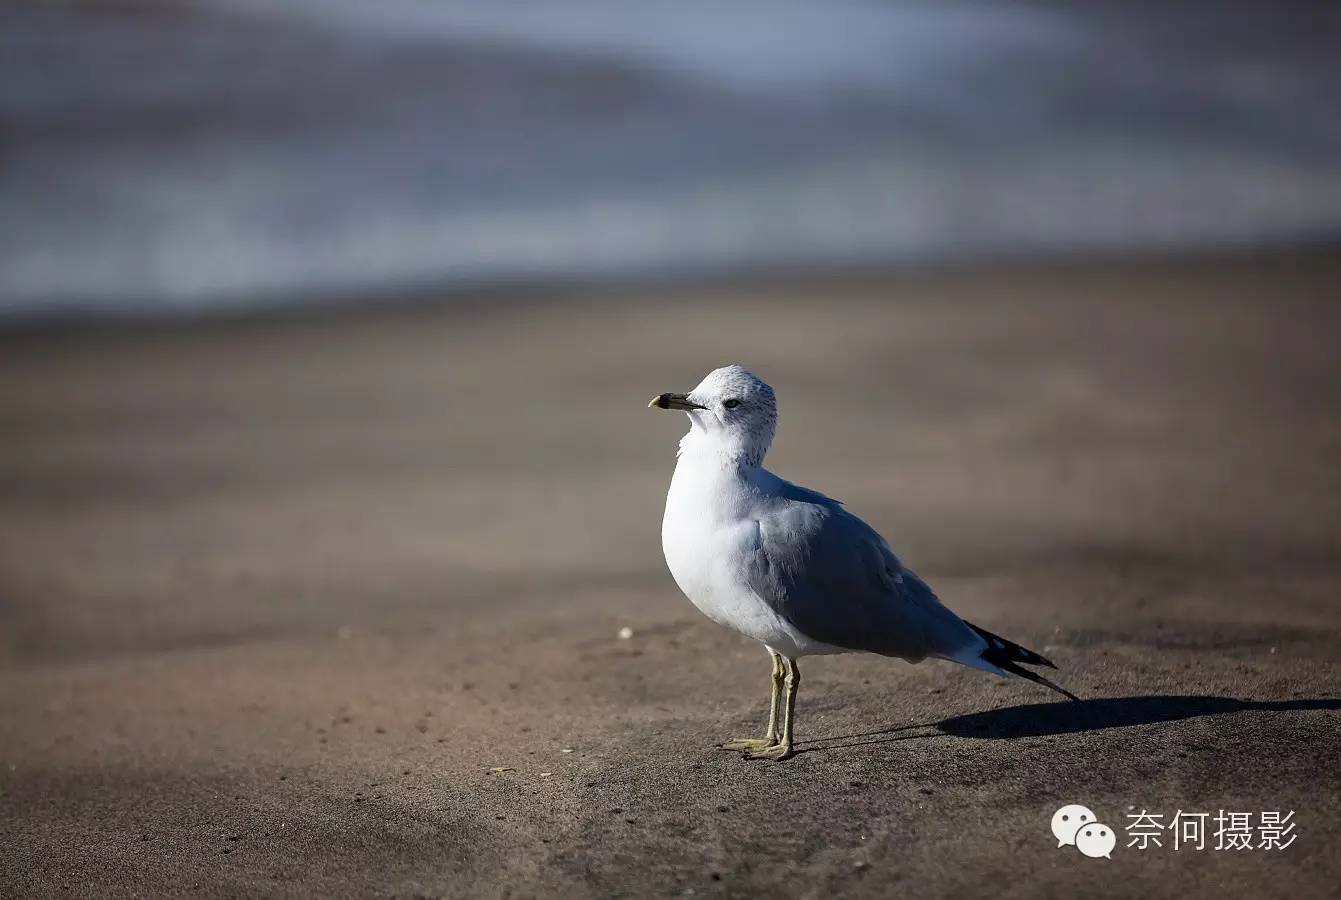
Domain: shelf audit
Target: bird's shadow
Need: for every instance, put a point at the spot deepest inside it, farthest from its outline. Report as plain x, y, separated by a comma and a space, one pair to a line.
1042, 719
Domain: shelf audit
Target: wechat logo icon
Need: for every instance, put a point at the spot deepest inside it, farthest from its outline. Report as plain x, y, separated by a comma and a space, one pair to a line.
1077, 826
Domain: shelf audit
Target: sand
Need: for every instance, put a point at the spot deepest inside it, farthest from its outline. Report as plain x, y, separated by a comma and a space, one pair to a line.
330, 605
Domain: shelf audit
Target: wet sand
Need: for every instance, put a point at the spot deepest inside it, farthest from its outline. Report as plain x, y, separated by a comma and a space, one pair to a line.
330, 607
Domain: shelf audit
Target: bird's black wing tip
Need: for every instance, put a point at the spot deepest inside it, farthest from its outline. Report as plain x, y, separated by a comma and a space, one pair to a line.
1015, 669
1007, 655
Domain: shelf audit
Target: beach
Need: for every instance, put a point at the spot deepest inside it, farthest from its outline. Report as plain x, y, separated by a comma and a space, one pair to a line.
330, 604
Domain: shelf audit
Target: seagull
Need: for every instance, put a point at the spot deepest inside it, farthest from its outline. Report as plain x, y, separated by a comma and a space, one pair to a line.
790, 567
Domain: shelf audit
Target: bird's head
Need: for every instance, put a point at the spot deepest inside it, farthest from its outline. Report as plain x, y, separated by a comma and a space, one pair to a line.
732, 411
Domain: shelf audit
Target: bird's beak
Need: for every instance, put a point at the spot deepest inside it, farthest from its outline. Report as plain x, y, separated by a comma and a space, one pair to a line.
673, 401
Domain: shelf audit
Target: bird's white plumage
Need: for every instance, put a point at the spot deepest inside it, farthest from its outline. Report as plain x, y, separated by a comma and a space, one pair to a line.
709, 531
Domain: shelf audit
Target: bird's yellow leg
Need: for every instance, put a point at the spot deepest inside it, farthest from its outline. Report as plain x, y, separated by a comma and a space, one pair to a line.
771, 736
783, 747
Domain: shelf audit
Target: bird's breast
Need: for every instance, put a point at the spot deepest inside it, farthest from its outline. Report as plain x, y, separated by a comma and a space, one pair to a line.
697, 553
708, 545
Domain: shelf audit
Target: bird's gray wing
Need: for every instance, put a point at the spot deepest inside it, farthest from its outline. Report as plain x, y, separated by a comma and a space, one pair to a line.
836, 580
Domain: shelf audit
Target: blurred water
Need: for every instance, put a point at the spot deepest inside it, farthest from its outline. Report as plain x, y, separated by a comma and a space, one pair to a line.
183, 155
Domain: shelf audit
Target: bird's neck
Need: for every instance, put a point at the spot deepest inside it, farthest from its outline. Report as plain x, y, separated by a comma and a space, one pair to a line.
706, 449
712, 480
709, 487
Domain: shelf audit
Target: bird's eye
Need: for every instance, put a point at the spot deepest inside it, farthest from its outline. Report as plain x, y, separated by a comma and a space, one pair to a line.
732, 403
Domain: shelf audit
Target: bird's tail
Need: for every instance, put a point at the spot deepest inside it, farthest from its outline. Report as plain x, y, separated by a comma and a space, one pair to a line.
1007, 656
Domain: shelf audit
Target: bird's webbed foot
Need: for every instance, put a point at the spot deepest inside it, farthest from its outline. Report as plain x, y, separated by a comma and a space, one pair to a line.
776, 752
